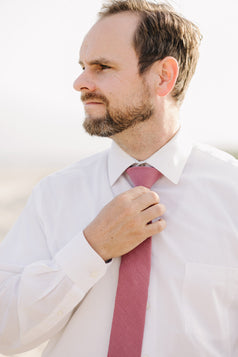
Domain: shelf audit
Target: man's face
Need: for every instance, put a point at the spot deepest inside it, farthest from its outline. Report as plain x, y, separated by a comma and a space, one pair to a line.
115, 97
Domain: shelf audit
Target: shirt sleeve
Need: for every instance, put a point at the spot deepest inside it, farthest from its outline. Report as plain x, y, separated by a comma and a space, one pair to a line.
38, 291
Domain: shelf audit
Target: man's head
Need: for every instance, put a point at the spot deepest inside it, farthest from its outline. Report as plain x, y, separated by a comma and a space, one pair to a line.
129, 57
161, 32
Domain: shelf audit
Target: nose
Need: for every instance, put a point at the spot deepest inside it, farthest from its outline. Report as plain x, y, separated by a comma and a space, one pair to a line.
84, 83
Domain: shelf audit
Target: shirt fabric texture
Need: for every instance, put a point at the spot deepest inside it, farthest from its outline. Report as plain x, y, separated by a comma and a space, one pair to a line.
54, 286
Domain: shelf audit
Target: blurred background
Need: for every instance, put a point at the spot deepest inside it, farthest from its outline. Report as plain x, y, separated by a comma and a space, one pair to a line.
41, 115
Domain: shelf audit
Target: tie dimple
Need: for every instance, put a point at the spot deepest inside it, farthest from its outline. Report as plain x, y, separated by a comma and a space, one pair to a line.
143, 175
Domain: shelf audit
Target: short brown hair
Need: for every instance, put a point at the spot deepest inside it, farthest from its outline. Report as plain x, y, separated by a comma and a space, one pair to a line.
161, 32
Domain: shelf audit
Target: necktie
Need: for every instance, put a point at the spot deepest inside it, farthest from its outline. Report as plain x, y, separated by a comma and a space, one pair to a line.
132, 290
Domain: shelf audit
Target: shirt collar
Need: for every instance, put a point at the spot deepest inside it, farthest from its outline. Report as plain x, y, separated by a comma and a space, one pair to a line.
169, 160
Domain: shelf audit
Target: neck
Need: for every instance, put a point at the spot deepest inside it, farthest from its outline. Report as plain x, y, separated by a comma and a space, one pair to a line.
145, 138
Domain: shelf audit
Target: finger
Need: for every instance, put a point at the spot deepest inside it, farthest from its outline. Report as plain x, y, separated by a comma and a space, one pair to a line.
138, 191
156, 227
153, 212
134, 193
146, 200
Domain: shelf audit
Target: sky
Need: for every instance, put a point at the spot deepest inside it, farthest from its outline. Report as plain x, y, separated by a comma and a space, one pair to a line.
41, 115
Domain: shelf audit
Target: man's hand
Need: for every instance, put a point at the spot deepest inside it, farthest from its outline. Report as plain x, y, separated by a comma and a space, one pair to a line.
124, 223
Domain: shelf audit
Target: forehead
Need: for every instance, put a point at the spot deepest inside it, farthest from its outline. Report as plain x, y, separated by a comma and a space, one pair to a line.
110, 37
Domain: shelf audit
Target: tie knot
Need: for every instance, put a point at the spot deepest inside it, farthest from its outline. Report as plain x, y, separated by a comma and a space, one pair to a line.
143, 175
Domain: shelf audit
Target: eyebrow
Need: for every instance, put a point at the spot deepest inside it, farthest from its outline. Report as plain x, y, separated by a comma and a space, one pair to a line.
100, 60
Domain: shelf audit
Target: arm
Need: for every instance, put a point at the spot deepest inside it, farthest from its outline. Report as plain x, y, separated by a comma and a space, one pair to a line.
38, 292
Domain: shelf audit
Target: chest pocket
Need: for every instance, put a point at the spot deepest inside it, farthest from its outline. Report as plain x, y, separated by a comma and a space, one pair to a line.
210, 309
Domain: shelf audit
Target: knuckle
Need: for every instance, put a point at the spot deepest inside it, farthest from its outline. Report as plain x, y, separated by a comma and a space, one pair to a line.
141, 189
161, 209
123, 203
154, 196
161, 224
158, 226
157, 210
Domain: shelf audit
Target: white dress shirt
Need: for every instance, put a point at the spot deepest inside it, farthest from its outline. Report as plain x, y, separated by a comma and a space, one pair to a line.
54, 286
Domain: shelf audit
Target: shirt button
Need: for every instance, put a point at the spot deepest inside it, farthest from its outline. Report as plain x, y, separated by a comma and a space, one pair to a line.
94, 274
147, 308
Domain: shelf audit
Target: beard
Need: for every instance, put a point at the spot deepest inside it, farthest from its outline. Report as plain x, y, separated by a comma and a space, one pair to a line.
117, 120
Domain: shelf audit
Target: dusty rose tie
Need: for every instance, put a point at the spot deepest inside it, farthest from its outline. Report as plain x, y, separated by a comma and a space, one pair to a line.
132, 290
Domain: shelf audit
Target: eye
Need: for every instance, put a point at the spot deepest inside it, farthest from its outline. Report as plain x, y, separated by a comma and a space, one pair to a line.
101, 67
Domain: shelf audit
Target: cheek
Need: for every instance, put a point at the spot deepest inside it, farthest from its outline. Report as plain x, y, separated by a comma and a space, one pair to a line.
128, 83
121, 89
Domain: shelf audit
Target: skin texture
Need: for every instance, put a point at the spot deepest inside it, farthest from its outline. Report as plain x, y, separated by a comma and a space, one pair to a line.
110, 84
123, 223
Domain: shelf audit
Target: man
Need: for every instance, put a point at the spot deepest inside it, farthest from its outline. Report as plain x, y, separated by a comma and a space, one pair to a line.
60, 263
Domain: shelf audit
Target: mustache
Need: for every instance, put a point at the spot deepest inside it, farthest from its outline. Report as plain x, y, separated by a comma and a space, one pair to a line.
87, 96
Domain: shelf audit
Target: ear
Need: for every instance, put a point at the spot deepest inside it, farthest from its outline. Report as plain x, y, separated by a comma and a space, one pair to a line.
167, 69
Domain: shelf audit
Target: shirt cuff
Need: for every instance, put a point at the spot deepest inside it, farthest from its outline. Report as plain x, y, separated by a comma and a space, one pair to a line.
81, 263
